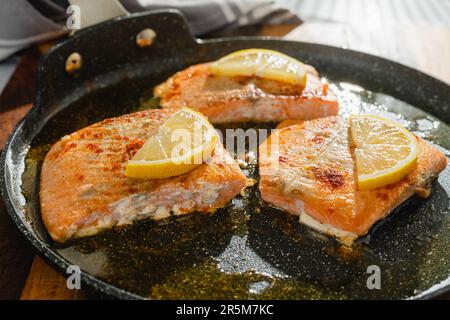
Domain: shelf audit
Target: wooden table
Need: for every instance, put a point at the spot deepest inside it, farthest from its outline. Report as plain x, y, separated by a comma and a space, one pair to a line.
26, 276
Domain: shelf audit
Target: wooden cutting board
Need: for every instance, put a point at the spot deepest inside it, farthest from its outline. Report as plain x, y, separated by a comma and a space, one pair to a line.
425, 48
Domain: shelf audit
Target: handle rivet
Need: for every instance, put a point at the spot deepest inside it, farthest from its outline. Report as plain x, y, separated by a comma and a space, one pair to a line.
145, 38
73, 63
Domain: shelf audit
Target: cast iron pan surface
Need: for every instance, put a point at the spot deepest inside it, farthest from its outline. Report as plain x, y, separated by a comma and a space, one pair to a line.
246, 250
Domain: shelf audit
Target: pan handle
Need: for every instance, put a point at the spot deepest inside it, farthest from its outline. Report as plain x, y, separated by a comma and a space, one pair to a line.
122, 48
93, 12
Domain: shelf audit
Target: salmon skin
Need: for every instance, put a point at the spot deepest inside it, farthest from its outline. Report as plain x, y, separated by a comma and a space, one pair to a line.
83, 188
241, 99
314, 178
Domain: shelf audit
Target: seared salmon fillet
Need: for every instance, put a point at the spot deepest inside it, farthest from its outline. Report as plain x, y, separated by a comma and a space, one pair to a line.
83, 188
312, 174
240, 99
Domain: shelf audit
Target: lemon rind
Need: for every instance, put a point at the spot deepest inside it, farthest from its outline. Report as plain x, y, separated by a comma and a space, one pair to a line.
395, 173
169, 167
289, 77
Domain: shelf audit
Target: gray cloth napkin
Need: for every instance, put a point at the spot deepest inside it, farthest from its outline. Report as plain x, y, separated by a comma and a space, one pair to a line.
25, 22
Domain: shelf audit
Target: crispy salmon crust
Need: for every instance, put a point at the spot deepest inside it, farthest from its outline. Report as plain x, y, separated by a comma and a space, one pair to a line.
312, 173
240, 99
83, 189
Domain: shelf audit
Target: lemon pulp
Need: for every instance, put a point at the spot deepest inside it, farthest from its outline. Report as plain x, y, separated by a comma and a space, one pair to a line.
263, 63
183, 142
385, 151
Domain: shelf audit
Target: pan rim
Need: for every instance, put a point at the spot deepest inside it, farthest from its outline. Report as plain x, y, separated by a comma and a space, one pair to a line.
91, 281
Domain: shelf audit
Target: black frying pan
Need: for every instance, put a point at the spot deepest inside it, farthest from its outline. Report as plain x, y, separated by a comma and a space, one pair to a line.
238, 252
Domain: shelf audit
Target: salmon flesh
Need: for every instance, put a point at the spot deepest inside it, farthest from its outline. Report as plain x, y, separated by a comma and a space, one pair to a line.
84, 190
241, 99
312, 174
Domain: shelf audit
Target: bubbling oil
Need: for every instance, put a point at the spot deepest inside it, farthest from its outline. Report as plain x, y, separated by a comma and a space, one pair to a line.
249, 250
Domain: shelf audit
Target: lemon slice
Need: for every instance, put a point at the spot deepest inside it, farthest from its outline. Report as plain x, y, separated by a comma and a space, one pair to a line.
385, 151
184, 141
263, 63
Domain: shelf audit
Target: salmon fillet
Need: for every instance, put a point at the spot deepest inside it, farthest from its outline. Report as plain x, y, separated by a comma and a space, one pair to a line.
312, 175
240, 99
83, 188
